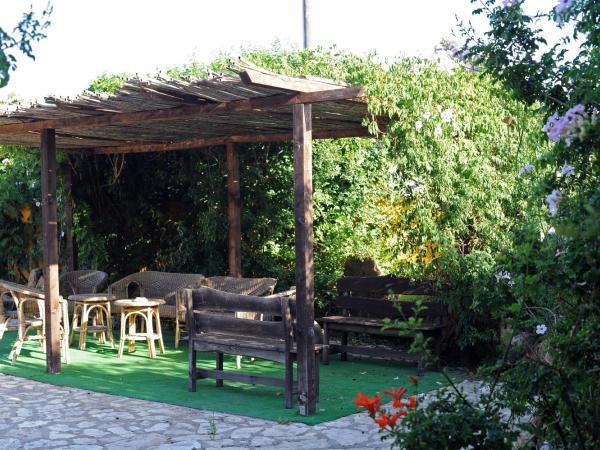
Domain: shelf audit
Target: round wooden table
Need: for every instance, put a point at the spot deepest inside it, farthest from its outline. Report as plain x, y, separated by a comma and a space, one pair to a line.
147, 310
84, 305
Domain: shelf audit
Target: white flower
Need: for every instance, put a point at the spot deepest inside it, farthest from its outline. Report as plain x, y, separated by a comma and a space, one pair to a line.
567, 170
550, 230
6, 161
545, 446
541, 329
503, 275
393, 168
485, 390
558, 253
426, 115
418, 125
437, 131
553, 200
447, 115
526, 168
37, 204
509, 3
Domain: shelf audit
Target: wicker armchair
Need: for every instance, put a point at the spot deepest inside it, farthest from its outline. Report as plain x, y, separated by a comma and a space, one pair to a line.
8, 308
243, 286
156, 285
30, 305
82, 282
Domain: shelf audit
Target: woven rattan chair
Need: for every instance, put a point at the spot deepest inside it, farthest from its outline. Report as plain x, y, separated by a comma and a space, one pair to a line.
82, 282
8, 308
29, 299
162, 285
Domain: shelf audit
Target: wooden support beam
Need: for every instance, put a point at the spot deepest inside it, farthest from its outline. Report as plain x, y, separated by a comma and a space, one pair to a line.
223, 140
49, 227
68, 187
182, 112
234, 211
303, 212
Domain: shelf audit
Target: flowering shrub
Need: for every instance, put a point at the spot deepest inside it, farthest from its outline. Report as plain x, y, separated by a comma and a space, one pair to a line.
549, 367
387, 420
447, 422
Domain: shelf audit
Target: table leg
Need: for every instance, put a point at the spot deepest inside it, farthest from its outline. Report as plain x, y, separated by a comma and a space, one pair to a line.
150, 332
109, 325
84, 326
76, 310
122, 336
159, 331
131, 332
100, 321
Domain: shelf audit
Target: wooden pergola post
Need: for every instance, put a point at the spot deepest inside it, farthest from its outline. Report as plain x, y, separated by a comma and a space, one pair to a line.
234, 241
69, 244
50, 229
305, 293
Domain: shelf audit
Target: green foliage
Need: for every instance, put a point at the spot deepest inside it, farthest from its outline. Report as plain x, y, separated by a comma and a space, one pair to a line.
449, 422
550, 366
29, 29
420, 203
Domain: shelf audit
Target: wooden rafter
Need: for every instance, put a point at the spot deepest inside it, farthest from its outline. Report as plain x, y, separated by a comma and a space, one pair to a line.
223, 140
176, 113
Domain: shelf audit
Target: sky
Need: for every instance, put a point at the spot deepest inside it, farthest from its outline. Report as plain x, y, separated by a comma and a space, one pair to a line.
91, 37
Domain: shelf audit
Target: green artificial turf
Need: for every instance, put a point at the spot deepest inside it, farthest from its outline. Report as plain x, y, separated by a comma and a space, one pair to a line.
164, 379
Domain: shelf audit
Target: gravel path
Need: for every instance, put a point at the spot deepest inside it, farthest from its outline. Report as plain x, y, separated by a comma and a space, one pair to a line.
36, 415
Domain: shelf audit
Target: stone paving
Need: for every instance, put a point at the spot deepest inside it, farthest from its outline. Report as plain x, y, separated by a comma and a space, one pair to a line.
41, 416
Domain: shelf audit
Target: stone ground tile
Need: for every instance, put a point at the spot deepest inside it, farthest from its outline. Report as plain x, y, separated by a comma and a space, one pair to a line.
69, 418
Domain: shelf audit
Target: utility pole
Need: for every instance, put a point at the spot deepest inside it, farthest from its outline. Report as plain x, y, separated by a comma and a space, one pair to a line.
307, 30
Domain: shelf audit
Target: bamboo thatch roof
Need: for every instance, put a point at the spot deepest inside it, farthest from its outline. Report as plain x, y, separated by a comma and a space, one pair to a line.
167, 114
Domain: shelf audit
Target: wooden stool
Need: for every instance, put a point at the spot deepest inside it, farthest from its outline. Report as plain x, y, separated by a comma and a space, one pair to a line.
86, 304
147, 310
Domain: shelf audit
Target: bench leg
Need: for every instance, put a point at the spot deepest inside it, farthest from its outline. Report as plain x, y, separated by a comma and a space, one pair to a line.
177, 333
219, 366
344, 355
192, 368
289, 380
325, 344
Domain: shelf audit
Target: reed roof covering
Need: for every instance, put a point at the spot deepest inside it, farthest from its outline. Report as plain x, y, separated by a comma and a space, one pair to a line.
162, 114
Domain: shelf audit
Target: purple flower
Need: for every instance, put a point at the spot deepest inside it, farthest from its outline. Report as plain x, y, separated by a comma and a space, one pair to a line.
563, 5
567, 170
526, 168
509, 3
568, 127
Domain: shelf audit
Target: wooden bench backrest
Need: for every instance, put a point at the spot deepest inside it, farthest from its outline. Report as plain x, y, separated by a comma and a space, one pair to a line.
209, 311
383, 297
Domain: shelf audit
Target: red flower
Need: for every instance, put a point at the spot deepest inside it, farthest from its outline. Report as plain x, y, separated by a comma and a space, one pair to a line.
397, 397
412, 402
371, 404
384, 420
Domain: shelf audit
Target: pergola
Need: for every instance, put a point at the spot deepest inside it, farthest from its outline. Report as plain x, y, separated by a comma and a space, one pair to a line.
164, 114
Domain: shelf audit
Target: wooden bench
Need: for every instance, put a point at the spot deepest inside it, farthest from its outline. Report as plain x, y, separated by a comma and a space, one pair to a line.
213, 328
365, 303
